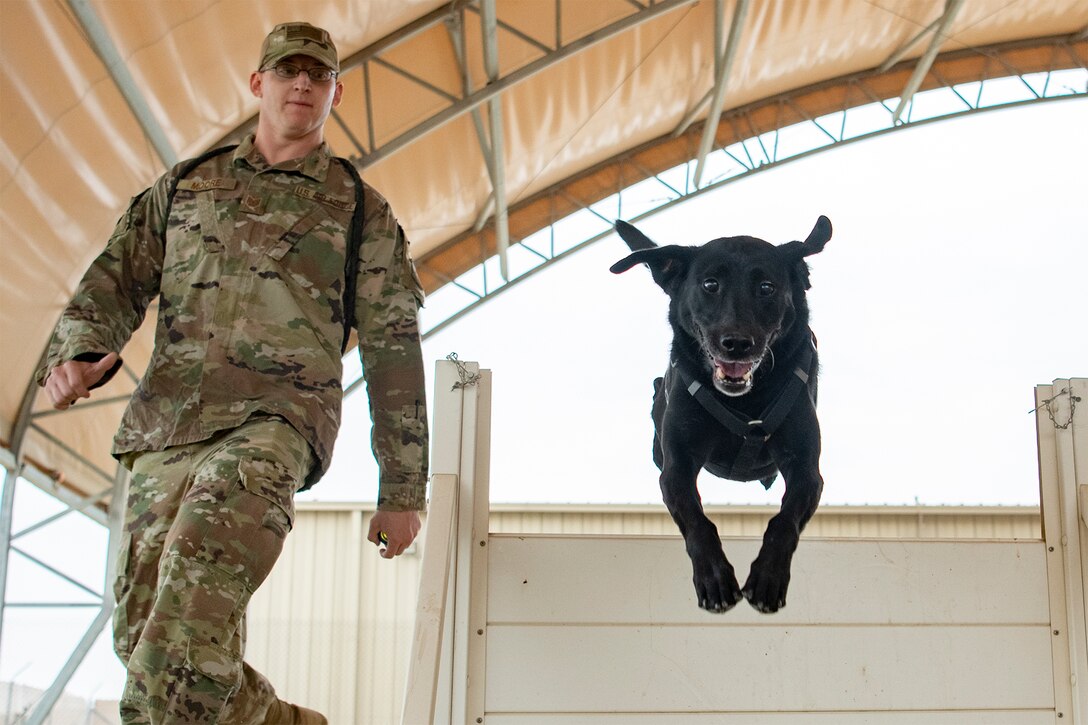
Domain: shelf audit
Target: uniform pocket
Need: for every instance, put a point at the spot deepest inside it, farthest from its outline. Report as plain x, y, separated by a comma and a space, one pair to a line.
207, 681
273, 482
409, 277
214, 662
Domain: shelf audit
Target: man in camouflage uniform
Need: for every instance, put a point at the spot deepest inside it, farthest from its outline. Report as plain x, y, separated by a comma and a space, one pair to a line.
240, 404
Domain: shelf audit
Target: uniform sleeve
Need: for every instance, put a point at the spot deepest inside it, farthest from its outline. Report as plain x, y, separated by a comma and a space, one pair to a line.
387, 310
113, 296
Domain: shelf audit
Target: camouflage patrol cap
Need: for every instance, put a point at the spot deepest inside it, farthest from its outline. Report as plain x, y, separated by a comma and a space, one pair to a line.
287, 39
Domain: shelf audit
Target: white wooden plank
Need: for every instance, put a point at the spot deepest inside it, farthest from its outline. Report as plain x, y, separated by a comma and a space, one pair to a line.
1080, 472
476, 644
464, 535
1072, 443
446, 443
617, 579
421, 690
701, 669
1050, 507
989, 717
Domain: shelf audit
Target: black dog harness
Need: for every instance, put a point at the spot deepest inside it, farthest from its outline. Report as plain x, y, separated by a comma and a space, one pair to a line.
755, 432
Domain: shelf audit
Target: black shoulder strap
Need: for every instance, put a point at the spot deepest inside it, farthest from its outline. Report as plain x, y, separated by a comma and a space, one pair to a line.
351, 263
184, 169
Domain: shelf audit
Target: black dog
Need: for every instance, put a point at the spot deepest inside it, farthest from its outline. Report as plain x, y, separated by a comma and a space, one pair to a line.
738, 398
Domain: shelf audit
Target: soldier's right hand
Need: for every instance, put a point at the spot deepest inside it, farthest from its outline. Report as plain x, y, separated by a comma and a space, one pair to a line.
72, 380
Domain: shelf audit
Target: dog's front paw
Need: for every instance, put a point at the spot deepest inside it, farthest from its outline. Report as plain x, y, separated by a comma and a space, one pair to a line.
716, 584
766, 587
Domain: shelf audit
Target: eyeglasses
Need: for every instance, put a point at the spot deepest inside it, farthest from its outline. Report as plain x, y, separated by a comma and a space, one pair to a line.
318, 73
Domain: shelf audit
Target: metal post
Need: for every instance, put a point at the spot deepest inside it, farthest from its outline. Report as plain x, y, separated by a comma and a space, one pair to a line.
7, 507
50, 696
1062, 434
99, 39
951, 8
489, 30
723, 66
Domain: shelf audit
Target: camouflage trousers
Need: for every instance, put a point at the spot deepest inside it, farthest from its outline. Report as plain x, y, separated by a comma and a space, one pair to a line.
204, 524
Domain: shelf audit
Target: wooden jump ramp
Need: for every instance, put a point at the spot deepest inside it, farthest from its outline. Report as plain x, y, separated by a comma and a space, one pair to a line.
604, 630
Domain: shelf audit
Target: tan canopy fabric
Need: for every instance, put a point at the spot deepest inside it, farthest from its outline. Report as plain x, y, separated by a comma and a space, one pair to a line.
98, 96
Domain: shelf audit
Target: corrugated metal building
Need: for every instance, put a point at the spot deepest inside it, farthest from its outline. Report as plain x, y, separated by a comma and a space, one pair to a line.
332, 627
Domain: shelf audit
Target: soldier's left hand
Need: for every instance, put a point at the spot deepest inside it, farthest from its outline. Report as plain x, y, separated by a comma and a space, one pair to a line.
72, 380
400, 529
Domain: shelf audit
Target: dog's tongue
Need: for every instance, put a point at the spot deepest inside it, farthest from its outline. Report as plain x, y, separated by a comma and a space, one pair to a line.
732, 370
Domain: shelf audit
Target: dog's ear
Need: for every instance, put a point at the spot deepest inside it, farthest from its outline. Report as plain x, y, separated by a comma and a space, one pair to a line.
667, 264
818, 237
635, 239
813, 244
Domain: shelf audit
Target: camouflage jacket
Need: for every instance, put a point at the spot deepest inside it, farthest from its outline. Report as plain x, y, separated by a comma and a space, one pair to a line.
249, 272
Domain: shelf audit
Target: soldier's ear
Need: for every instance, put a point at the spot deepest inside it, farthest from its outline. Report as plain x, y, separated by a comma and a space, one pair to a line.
256, 84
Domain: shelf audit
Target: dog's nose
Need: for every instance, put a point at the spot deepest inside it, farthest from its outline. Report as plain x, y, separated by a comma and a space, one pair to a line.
737, 345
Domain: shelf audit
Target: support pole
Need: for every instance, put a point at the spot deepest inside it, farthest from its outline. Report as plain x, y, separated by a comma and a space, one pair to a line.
497, 161
7, 508
1061, 419
723, 65
951, 8
460, 450
104, 47
117, 515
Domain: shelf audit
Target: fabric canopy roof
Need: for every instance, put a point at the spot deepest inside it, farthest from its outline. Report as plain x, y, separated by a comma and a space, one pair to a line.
456, 111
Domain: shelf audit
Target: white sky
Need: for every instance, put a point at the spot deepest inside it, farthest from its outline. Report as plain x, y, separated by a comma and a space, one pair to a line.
948, 291
952, 286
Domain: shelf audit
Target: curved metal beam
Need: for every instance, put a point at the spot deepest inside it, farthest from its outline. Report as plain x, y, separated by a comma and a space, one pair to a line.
820, 106
99, 39
628, 166
723, 66
497, 159
951, 9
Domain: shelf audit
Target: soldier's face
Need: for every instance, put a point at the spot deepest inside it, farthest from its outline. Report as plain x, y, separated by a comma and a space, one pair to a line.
295, 107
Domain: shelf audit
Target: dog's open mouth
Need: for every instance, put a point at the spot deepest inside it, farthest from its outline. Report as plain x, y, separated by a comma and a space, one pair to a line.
733, 378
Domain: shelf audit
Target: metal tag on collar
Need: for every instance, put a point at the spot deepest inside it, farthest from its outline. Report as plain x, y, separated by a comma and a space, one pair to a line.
756, 432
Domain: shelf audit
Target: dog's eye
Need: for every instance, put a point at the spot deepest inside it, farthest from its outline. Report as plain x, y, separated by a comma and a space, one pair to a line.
766, 289
710, 285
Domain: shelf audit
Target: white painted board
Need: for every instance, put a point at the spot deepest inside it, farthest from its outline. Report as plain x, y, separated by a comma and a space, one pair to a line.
769, 668
988, 717
640, 580
582, 626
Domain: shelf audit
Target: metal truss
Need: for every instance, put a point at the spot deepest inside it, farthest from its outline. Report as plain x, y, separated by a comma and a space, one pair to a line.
940, 30
106, 509
755, 153
724, 53
472, 96
469, 98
